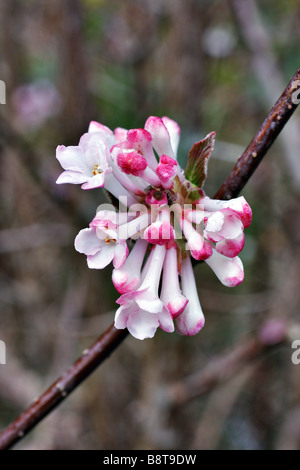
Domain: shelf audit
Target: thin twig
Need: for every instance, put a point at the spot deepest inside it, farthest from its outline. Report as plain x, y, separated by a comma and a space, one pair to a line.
218, 408
106, 343
268, 73
226, 365
261, 142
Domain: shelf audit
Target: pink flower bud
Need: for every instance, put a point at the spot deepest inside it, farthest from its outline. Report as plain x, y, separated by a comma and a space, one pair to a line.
132, 163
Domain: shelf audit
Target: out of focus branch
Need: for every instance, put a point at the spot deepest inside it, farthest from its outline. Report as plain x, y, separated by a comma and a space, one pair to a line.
101, 349
219, 406
225, 366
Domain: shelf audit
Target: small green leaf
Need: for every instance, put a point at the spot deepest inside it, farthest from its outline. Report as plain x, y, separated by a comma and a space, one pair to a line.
195, 194
196, 169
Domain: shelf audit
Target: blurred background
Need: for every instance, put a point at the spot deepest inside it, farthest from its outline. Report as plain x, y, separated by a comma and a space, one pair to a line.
210, 65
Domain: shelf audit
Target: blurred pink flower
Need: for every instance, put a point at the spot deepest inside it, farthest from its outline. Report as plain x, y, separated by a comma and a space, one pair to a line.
35, 103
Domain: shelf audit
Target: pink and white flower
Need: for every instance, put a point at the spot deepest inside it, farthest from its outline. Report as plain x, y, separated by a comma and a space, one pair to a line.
229, 271
100, 242
226, 230
191, 320
166, 170
141, 311
85, 164
161, 139
161, 231
171, 294
239, 205
104, 133
200, 248
128, 277
169, 220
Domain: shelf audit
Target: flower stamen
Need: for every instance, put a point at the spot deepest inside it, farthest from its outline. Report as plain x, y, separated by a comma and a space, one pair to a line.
97, 170
110, 240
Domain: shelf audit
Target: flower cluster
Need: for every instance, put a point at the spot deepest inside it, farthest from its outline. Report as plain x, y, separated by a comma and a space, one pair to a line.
163, 219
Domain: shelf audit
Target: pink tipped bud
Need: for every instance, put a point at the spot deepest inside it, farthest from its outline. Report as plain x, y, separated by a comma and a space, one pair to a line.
132, 163
160, 136
230, 271
159, 233
106, 220
139, 138
120, 134
128, 277
231, 248
171, 294
191, 320
141, 141
200, 249
166, 170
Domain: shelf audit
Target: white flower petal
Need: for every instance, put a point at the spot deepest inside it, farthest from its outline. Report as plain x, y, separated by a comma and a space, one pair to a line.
233, 226
120, 134
123, 282
128, 277
96, 181
230, 271
171, 294
122, 316
150, 303
142, 324
87, 242
160, 136
231, 248
215, 222
101, 259
239, 205
96, 153
174, 132
71, 158
72, 177
121, 252
103, 133
166, 322
191, 320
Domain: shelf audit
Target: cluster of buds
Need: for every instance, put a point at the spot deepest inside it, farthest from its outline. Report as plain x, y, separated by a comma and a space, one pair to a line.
159, 219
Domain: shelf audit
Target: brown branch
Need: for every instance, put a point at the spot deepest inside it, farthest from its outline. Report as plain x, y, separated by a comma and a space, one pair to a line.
106, 343
261, 142
266, 70
63, 386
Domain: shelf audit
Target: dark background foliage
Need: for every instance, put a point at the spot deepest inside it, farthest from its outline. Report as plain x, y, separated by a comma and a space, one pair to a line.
210, 65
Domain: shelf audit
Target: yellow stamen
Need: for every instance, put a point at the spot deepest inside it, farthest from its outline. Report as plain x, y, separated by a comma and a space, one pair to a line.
109, 240
97, 170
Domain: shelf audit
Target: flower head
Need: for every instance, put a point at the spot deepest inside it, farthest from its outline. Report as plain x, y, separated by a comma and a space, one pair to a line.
86, 164
100, 242
164, 217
